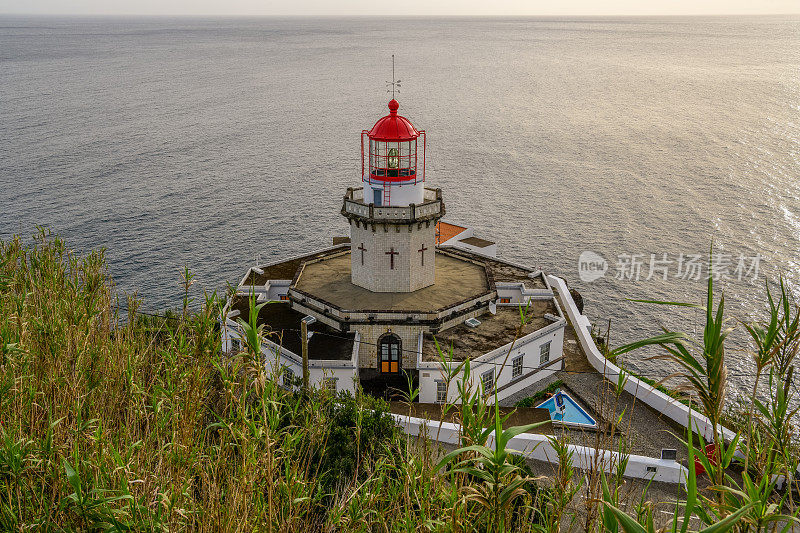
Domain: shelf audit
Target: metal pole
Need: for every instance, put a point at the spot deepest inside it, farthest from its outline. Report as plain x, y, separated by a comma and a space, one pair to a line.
304, 341
307, 320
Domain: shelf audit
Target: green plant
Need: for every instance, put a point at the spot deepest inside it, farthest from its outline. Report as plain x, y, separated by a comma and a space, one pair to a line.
788, 332
692, 506
532, 401
766, 340
702, 361
500, 480
91, 505
356, 427
777, 414
564, 486
140, 422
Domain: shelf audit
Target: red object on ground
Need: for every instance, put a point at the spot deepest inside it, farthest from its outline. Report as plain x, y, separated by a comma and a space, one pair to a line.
710, 453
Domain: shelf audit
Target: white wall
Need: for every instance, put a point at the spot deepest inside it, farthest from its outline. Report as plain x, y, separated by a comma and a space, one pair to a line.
275, 356
653, 397
528, 347
519, 294
535, 446
277, 288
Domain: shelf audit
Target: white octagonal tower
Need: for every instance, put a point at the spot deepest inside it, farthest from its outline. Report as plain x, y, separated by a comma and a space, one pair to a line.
393, 216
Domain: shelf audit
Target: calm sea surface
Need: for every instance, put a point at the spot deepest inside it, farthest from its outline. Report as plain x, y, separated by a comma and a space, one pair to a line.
213, 142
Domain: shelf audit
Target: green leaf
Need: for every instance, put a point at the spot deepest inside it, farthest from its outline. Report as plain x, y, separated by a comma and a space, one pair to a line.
609, 521
670, 337
728, 522
73, 477
483, 450
629, 525
513, 431
661, 302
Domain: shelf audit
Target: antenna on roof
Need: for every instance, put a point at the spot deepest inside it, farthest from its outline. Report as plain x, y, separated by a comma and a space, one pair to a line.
394, 83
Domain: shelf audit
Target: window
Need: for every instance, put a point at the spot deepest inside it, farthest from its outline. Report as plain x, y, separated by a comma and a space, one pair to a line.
288, 377
394, 158
389, 354
544, 353
441, 391
236, 345
516, 367
505, 300
284, 296
329, 384
488, 380
377, 197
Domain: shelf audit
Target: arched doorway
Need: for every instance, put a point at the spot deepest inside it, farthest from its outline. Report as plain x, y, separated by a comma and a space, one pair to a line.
389, 350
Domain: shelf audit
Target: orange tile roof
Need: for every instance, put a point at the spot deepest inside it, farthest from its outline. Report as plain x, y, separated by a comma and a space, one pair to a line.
445, 231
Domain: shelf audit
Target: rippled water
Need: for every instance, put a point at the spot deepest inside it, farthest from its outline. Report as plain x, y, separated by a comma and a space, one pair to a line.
212, 142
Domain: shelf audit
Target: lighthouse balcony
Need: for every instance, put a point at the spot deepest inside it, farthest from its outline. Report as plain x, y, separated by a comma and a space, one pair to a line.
356, 207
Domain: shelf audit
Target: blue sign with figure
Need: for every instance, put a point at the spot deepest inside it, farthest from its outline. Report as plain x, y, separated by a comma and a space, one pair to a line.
559, 400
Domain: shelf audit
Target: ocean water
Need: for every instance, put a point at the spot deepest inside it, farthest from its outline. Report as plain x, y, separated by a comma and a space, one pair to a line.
215, 142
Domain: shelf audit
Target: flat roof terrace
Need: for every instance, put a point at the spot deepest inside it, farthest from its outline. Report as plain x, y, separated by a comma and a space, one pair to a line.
287, 269
457, 280
503, 271
493, 332
283, 328
478, 243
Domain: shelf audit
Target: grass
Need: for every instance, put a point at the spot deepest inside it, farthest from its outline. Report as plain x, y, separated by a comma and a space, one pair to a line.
119, 422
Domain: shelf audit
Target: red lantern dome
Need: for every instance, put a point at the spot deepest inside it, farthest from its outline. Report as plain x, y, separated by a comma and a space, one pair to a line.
391, 160
393, 127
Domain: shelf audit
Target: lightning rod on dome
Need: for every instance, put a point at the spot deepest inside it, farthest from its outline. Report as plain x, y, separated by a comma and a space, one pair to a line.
394, 83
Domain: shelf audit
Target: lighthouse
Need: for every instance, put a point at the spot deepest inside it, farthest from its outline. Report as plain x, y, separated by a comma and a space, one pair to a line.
393, 216
372, 313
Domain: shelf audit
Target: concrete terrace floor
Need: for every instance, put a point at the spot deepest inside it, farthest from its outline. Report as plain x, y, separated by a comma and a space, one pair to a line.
495, 331
457, 280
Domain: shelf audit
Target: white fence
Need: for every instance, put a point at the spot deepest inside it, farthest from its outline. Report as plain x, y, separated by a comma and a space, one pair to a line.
539, 447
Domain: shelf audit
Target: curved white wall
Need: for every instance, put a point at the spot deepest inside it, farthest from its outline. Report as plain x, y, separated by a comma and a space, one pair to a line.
539, 447
653, 397
402, 194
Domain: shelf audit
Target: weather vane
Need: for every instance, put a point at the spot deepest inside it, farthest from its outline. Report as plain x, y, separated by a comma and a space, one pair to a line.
394, 83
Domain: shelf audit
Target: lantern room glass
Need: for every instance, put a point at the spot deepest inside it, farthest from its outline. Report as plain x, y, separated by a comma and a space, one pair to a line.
393, 159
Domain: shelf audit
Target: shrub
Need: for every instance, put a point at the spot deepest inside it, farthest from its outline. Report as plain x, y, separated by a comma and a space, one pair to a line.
537, 397
358, 428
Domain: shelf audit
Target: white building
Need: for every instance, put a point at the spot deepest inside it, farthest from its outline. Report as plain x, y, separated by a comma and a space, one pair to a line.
404, 281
